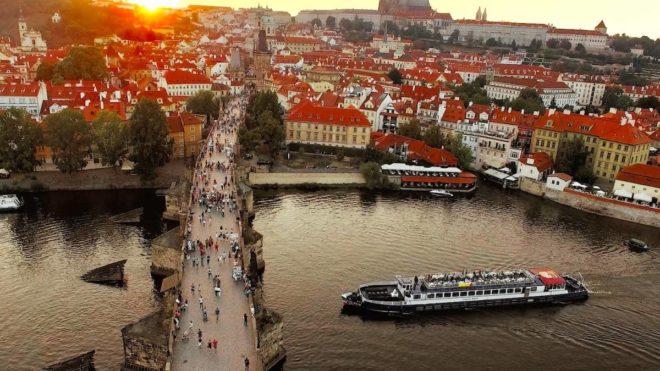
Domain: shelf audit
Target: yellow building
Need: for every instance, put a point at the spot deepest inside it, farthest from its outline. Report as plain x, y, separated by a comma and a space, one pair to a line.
610, 144
185, 130
343, 127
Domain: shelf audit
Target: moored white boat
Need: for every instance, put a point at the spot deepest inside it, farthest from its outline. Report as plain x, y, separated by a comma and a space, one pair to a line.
10, 203
441, 193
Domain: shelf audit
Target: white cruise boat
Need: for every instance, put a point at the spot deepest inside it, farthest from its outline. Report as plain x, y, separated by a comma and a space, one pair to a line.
466, 290
10, 203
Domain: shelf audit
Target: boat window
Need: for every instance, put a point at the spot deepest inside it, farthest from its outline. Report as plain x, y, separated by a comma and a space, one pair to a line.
416, 296
519, 290
502, 291
463, 293
471, 293
534, 288
509, 291
447, 294
430, 296
454, 293
480, 292
487, 292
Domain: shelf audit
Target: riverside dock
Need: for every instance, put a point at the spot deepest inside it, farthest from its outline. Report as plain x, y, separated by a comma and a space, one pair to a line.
236, 340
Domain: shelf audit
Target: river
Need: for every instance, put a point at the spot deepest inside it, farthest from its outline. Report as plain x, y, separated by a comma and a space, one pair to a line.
48, 312
320, 244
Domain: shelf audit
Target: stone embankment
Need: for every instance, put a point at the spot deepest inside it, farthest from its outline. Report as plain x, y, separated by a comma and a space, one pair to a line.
305, 180
593, 204
90, 180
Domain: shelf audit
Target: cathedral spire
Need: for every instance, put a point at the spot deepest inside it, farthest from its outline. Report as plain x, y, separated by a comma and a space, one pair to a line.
20, 11
478, 17
484, 15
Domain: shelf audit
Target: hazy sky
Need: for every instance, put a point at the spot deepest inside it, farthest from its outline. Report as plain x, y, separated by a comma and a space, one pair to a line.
634, 17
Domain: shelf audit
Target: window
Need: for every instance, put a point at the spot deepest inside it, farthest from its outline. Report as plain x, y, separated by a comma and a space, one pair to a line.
430, 296
454, 294
447, 294
471, 293
519, 290
534, 288
502, 291
417, 296
480, 292
486, 292
463, 293
509, 291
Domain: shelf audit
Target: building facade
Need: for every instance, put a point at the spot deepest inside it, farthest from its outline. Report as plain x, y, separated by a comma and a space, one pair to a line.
307, 123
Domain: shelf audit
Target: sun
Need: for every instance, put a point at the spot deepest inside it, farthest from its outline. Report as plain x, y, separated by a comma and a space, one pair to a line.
153, 5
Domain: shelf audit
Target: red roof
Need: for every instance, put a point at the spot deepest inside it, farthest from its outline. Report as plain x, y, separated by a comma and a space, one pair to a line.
563, 176
308, 112
539, 160
648, 175
417, 150
548, 276
20, 90
184, 77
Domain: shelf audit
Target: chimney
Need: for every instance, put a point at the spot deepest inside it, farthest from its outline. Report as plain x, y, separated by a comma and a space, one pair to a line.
509, 109
522, 111
551, 111
536, 113
582, 112
612, 110
624, 120
567, 112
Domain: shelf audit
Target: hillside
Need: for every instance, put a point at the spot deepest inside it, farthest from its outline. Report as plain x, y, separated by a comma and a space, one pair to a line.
36, 12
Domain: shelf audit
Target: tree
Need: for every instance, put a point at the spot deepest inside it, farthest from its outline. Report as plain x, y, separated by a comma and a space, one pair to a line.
491, 42
453, 38
472, 92
565, 44
373, 175
45, 71
339, 155
392, 28
70, 138
614, 98
83, 63
580, 49
331, 22
528, 100
259, 103
514, 46
411, 129
204, 103
648, 102
149, 139
553, 103
270, 131
110, 136
461, 151
434, 137
573, 157
395, 76
317, 23
19, 138
552, 43
247, 139
346, 24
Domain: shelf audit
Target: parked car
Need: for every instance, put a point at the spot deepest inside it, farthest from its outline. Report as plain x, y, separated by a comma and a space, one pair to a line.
4, 174
247, 156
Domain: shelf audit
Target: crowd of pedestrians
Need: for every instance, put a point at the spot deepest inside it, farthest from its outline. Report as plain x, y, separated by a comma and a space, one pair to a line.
211, 235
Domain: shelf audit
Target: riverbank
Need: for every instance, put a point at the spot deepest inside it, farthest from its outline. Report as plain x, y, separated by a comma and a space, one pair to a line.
88, 180
595, 205
307, 180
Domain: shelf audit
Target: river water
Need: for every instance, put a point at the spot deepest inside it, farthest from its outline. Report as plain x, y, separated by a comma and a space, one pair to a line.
47, 312
320, 244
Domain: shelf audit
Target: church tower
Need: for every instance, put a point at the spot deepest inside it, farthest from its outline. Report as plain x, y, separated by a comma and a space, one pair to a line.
484, 15
478, 17
22, 25
262, 57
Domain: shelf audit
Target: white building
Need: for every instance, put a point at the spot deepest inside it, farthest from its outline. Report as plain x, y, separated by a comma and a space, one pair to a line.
591, 40
183, 83
535, 166
30, 40
639, 179
588, 88
29, 97
510, 88
558, 181
505, 32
